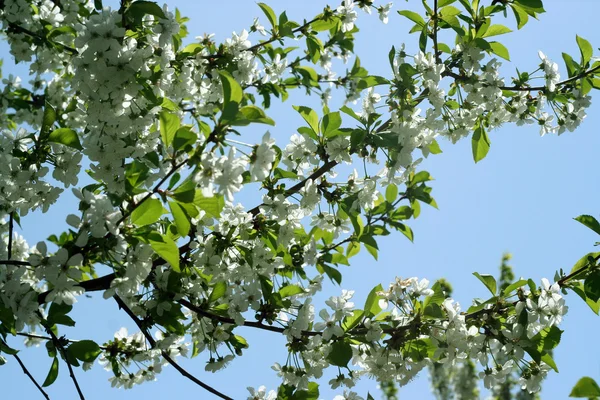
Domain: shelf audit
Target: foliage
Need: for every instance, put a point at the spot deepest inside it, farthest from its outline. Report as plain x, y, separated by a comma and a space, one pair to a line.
161, 124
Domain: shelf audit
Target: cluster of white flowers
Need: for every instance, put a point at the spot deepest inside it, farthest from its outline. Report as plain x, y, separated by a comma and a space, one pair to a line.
112, 87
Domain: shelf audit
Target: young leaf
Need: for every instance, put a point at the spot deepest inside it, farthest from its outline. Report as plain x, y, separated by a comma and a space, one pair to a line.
167, 249
147, 213
290, 290
480, 144
330, 123
184, 137
340, 354
309, 116
169, 124
586, 50
65, 136
585, 387
372, 304
590, 222
52, 374
413, 16
85, 350
488, 280
218, 291
271, 16
232, 96
500, 50
495, 30
181, 220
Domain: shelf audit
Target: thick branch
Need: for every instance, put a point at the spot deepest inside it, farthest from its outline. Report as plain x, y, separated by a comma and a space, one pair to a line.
152, 342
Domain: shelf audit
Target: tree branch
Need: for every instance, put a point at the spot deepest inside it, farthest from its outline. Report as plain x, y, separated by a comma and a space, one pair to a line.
63, 352
10, 233
435, 32
153, 191
26, 372
19, 29
166, 356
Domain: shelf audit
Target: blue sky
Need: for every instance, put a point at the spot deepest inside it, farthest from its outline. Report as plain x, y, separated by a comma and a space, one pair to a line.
522, 198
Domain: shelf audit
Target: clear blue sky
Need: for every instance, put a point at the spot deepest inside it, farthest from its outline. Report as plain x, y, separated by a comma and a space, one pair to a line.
520, 199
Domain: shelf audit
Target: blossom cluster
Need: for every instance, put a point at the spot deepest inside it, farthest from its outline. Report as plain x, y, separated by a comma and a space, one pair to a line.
153, 122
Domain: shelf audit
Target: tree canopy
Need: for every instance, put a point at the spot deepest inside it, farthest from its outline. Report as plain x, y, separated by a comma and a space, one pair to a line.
158, 123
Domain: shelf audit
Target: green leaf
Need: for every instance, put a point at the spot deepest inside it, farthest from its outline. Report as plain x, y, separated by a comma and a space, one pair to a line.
589, 258
520, 15
480, 144
531, 6
65, 136
167, 249
351, 321
406, 230
271, 16
311, 394
434, 147
52, 374
147, 213
310, 116
488, 280
372, 303
340, 354
585, 387
218, 291
211, 205
169, 124
184, 137
391, 193
500, 50
85, 350
585, 49
138, 9
348, 111
57, 314
413, 16
48, 119
181, 220
513, 286
232, 96
590, 222
371, 81
252, 114
592, 286
495, 30
309, 75
571, 65
577, 287
290, 290
330, 123
422, 40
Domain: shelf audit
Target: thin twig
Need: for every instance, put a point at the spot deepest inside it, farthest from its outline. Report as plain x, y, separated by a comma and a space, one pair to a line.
40, 337
26, 372
20, 29
435, 31
15, 262
11, 218
62, 350
155, 190
166, 356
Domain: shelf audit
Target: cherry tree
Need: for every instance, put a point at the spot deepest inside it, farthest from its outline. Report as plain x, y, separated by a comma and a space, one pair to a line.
157, 120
